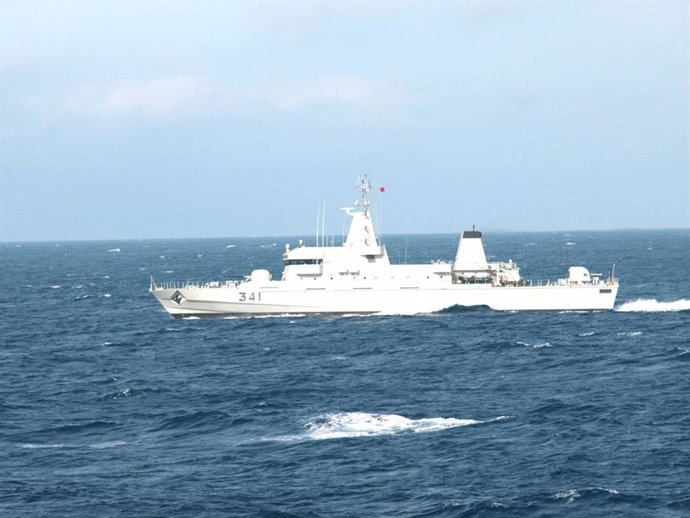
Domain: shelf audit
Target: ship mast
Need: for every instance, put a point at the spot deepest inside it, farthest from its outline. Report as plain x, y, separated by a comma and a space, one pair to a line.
365, 186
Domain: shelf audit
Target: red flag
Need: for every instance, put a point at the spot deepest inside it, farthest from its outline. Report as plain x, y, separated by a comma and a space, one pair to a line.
382, 189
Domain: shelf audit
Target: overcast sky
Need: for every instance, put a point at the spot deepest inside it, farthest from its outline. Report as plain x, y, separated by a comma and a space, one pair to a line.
137, 119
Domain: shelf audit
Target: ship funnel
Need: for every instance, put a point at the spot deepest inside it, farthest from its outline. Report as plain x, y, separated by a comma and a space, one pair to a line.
470, 255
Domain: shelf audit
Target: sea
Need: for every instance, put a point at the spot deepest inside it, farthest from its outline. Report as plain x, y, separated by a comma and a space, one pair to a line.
110, 407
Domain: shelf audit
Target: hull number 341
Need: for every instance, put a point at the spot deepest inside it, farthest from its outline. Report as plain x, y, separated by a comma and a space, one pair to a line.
250, 297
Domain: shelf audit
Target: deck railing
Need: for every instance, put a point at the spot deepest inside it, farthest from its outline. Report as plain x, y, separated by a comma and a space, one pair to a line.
176, 285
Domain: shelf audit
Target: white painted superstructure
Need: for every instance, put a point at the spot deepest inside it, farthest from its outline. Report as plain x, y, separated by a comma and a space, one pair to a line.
358, 278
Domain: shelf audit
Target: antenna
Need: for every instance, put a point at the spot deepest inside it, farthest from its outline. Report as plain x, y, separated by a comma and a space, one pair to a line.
365, 185
380, 214
318, 223
324, 240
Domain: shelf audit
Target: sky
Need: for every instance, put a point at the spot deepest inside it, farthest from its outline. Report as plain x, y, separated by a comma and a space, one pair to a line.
163, 119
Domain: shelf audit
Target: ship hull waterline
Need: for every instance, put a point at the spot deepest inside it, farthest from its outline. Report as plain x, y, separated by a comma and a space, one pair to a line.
248, 301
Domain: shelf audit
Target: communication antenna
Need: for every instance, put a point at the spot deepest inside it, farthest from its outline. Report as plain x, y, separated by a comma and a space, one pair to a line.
324, 240
318, 224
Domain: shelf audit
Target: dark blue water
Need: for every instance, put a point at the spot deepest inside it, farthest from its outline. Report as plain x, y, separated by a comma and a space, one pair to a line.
109, 407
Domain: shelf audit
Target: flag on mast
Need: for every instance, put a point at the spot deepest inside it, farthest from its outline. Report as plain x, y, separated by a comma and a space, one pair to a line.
382, 189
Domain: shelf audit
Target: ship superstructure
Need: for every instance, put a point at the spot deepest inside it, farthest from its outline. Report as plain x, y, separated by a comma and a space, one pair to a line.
358, 278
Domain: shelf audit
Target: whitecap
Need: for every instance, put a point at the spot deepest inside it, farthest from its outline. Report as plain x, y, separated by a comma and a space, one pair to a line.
169, 271
569, 496
106, 277
107, 295
107, 444
536, 345
114, 250
190, 318
610, 491
107, 343
653, 305
276, 315
230, 246
199, 255
630, 333
570, 243
586, 334
341, 425
55, 287
34, 446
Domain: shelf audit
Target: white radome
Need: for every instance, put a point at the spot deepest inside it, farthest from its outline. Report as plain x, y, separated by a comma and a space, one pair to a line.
358, 278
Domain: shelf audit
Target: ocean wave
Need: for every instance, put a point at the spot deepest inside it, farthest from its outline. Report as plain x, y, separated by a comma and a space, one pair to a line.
260, 317
341, 425
193, 421
653, 305
682, 352
458, 308
47, 446
107, 444
79, 428
37, 446
570, 495
536, 345
127, 392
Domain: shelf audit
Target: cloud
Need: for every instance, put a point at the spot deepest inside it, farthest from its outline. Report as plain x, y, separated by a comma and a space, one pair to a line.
158, 97
361, 98
364, 94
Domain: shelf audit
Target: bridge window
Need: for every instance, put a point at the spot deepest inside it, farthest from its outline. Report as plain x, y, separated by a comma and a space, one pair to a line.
294, 262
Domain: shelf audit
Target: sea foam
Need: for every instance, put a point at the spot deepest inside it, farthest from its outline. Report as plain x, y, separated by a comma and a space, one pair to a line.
362, 424
35, 446
653, 305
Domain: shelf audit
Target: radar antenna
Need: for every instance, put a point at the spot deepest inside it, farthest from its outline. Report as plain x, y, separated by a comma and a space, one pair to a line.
365, 186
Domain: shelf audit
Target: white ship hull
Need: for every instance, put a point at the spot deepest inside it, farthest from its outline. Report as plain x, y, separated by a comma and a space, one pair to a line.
287, 300
358, 278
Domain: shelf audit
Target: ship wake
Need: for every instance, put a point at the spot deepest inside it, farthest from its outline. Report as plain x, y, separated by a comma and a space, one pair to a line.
653, 305
342, 425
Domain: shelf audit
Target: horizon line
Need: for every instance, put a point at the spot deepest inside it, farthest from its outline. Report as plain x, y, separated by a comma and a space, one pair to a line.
187, 238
